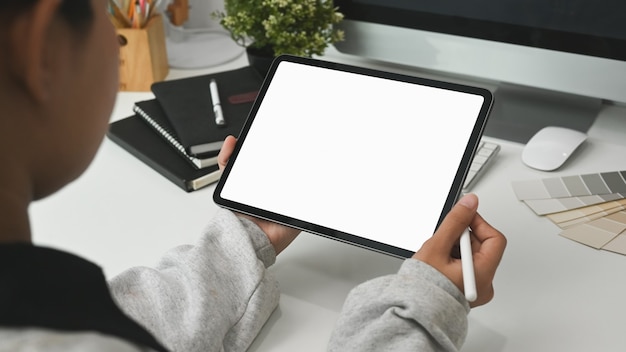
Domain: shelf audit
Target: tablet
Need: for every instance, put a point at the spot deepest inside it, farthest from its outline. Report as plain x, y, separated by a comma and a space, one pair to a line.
371, 158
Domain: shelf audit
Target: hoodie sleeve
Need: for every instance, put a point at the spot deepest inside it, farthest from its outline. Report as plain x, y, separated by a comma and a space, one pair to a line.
417, 309
212, 296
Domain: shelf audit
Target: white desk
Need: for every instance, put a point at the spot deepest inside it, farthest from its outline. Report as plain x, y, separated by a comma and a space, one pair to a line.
552, 294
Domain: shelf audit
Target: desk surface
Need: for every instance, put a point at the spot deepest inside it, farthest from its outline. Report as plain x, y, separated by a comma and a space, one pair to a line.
552, 294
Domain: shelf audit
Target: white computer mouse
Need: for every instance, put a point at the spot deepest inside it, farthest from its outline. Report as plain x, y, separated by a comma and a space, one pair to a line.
549, 148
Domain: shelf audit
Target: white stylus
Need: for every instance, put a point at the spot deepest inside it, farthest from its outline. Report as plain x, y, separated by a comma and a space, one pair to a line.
467, 264
217, 106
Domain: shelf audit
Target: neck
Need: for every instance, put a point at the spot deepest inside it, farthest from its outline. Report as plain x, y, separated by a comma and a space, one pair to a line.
15, 181
14, 222
15, 197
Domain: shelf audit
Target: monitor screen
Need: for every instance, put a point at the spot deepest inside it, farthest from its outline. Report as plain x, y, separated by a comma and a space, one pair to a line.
589, 27
575, 47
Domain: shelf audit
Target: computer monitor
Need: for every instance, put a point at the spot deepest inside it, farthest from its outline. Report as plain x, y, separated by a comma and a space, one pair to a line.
553, 62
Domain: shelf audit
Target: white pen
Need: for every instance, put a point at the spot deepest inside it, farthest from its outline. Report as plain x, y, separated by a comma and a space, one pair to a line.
467, 265
217, 107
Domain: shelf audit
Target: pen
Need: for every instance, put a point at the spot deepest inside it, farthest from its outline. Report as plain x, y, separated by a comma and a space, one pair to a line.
147, 12
137, 15
156, 5
467, 265
217, 107
119, 18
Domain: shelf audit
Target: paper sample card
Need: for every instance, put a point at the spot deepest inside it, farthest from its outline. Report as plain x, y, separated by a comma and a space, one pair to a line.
569, 218
571, 186
550, 206
599, 232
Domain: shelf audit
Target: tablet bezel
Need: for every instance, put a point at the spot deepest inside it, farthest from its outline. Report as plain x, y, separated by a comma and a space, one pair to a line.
318, 229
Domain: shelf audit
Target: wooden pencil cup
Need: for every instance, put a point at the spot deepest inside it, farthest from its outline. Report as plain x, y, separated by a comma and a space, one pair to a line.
143, 55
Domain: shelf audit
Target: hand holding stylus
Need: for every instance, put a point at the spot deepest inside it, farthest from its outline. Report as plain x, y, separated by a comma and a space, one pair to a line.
487, 246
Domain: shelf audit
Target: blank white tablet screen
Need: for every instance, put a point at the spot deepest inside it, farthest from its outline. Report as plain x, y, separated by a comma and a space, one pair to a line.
368, 156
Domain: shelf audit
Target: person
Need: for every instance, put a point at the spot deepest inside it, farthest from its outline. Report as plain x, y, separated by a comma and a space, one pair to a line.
59, 62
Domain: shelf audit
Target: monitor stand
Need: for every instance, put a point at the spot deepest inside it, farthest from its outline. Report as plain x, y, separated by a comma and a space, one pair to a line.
519, 112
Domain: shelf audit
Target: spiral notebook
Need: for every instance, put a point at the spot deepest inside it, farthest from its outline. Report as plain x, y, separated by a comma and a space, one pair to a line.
136, 137
153, 114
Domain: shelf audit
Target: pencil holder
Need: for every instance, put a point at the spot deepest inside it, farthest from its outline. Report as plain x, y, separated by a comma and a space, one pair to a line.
143, 55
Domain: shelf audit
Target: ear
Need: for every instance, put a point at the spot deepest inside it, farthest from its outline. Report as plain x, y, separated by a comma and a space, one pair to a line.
29, 38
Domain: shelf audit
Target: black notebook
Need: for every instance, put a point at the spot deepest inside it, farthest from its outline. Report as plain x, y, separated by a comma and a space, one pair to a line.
188, 106
152, 113
136, 137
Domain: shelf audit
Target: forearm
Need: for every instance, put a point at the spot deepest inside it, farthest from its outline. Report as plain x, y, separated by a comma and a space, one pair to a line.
417, 309
213, 296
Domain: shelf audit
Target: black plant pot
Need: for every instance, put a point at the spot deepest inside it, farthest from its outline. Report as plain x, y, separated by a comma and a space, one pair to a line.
260, 59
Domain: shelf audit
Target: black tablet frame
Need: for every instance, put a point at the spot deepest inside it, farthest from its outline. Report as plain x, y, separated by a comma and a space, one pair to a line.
319, 229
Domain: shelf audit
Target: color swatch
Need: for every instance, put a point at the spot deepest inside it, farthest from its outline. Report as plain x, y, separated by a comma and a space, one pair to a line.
571, 186
549, 206
569, 218
600, 232
590, 208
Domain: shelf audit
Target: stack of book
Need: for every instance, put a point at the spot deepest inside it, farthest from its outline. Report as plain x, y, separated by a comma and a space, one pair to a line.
177, 133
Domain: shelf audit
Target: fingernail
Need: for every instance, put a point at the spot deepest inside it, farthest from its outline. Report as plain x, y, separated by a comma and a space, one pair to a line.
469, 201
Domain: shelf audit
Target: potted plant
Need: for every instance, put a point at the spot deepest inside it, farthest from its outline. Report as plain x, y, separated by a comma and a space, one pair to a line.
269, 28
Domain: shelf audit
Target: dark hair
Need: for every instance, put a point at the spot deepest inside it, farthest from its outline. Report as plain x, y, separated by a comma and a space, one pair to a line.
77, 13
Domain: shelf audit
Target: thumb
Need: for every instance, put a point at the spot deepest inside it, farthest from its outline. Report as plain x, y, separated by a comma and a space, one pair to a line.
226, 151
455, 222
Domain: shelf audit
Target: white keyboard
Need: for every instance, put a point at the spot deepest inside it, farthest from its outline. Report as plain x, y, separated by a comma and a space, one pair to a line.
485, 154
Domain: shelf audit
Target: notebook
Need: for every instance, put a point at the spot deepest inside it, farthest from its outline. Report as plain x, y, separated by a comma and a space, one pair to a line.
366, 157
153, 114
187, 104
136, 137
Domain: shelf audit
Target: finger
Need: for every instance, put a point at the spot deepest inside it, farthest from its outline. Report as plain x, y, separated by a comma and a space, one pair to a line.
475, 242
455, 222
492, 244
483, 231
226, 151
